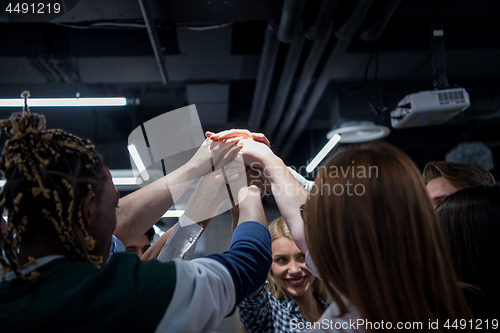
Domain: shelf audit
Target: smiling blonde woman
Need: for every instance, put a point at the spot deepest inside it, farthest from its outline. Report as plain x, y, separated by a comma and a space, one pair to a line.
292, 296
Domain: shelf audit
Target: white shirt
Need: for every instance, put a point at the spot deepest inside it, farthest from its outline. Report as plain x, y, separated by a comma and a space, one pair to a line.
182, 242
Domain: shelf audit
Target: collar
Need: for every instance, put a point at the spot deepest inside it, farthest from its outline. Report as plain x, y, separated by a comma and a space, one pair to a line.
38, 263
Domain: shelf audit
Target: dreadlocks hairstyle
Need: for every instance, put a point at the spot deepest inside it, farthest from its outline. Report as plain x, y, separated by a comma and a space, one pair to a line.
48, 175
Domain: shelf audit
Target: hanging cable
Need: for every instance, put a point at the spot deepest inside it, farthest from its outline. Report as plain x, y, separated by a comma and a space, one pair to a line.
376, 109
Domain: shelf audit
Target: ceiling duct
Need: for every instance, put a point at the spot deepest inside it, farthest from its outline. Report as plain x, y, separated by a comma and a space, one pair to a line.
306, 76
291, 14
318, 90
344, 34
324, 18
347, 31
264, 76
285, 83
375, 29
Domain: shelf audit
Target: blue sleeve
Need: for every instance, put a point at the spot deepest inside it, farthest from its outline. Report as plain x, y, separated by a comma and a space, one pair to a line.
248, 259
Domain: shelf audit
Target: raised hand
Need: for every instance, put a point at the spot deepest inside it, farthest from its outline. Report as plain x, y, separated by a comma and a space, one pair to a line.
255, 146
229, 134
255, 153
234, 135
213, 153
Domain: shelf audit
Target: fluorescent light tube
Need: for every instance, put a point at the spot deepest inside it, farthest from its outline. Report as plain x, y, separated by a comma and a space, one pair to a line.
323, 152
126, 181
64, 102
157, 230
138, 161
173, 213
116, 181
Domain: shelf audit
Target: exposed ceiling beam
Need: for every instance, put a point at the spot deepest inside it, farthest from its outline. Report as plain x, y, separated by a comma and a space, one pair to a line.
155, 41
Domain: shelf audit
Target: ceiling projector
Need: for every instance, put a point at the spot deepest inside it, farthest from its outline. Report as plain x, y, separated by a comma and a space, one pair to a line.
430, 107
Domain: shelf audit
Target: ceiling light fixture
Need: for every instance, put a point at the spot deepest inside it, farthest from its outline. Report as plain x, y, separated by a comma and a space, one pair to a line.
117, 181
173, 213
359, 131
323, 152
349, 132
138, 161
126, 181
69, 102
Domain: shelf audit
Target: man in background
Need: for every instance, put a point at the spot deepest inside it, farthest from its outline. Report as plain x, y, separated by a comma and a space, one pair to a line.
444, 178
142, 244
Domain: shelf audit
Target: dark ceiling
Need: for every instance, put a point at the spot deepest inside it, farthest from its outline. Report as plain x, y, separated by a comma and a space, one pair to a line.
291, 69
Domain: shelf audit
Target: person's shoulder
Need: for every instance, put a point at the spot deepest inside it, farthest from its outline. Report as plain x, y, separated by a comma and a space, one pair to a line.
127, 260
126, 270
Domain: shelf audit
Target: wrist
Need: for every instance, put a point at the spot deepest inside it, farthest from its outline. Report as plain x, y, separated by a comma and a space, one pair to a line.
196, 169
271, 160
202, 210
272, 168
263, 161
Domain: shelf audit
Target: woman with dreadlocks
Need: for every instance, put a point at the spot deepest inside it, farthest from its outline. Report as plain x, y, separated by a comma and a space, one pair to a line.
60, 202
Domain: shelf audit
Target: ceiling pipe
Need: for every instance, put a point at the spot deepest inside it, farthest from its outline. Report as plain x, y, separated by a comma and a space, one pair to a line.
374, 31
303, 85
318, 30
291, 15
323, 19
347, 31
284, 85
264, 76
155, 41
319, 89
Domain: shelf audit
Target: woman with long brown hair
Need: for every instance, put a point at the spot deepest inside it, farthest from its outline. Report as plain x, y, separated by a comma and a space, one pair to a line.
379, 246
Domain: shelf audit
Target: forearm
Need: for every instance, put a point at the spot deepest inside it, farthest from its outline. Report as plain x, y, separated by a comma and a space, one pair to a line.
250, 206
249, 258
235, 219
289, 196
175, 242
154, 250
182, 241
204, 205
138, 211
